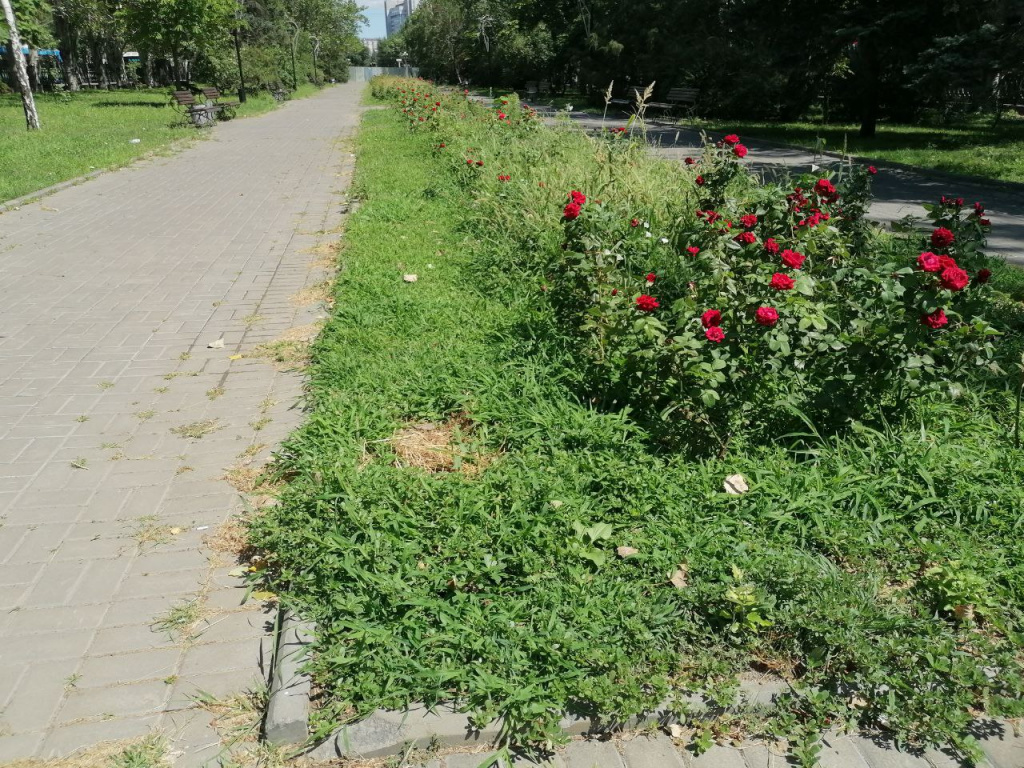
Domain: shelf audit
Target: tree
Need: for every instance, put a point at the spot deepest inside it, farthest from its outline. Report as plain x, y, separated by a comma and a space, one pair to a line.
20, 72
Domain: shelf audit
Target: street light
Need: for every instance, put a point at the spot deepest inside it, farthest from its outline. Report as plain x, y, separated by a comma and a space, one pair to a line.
405, 57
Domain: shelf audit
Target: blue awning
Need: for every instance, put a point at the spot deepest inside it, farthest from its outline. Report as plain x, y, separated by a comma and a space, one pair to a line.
42, 51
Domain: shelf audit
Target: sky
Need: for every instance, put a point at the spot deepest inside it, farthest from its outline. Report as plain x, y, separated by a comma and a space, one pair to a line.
375, 13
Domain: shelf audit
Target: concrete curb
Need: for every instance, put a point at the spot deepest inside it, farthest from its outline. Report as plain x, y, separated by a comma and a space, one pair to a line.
33, 197
387, 732
287, 716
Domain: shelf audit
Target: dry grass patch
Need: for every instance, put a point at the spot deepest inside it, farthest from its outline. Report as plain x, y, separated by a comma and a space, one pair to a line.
446, 447
197, 429
291, 349
146, 752
318, 293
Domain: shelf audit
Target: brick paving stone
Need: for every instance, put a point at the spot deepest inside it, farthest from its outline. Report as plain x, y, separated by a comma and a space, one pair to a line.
1005, 751
838, 751
883, 755
592, 754
68, 738
155, 664
91, 368
474, 760
719, 757
657, 752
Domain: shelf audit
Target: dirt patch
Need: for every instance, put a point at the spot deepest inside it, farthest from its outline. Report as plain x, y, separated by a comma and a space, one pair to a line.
445, 447
147, 752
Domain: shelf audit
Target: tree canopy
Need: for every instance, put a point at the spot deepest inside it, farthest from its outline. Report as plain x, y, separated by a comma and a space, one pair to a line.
772, 59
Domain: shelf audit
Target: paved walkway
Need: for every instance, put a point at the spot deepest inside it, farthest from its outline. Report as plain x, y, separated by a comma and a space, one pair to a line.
117, 423
897, 192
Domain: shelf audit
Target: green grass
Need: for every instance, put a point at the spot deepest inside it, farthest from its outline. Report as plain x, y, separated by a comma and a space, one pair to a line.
91, 130
500, 588
977, 149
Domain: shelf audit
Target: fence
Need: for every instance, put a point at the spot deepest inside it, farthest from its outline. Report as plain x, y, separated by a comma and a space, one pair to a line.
365, 74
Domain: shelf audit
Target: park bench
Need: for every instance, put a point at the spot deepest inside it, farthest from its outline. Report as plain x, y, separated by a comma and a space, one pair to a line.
531, 89
678, 97
200, 114
214, 96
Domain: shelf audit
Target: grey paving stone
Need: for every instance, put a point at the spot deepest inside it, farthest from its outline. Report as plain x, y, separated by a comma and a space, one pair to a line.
136, 700
476, 760
592, 754
68, 738
761, 756
38, 695
19, 746
550, 761
881, 755
719, 757
1006, 751
657, 752
838, 751
135, 667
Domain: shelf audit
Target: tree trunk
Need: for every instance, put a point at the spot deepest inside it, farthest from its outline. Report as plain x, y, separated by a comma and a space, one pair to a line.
68, 40
869, 91
20, 74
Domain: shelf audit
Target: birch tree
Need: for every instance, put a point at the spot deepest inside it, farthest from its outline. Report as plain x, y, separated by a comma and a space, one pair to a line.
20, 71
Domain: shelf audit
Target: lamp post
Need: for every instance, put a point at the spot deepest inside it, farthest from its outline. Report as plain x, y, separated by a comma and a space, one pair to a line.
238, 58
295, 39
405, 57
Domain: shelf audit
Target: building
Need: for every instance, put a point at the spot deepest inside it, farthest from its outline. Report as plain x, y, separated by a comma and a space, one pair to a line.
371, 44
397, 14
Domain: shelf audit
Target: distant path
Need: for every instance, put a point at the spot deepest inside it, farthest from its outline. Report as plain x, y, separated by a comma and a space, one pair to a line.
897, 192
110, 292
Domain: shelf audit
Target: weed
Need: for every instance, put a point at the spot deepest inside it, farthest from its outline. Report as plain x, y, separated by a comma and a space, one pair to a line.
105, 384
214, 393
82, 419
181, 622
197, 429
80, 463
162, 390
145, 415
149, 532
261, 423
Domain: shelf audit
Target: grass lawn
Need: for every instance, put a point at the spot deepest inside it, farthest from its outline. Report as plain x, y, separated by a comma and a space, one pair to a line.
978, 149
92, 130
454, 507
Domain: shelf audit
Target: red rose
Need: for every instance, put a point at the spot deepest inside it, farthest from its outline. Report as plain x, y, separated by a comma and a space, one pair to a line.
985, 222
693, 250
792, 259
872, 170
689, 161
749, 221
979, 208
634, 223
700, 181
615, 291
441, 145
771, 246
711, 318
745, 238
715, 334
578, 197
983, 276
740, 151
646, 303
781, 282
766, 316
479, 163
732, 139
824, 188
942, 238
946, 262
929, 262
935, 320
651, 277
572, 211
954, 279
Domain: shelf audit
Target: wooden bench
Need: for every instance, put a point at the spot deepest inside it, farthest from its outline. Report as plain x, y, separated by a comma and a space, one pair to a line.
677, 97
200, 114
212, 94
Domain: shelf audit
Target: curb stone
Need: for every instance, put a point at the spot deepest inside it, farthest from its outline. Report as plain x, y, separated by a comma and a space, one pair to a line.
287, 717
390, 732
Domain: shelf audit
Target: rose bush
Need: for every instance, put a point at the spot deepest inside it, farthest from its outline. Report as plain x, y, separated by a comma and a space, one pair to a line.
821, 317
